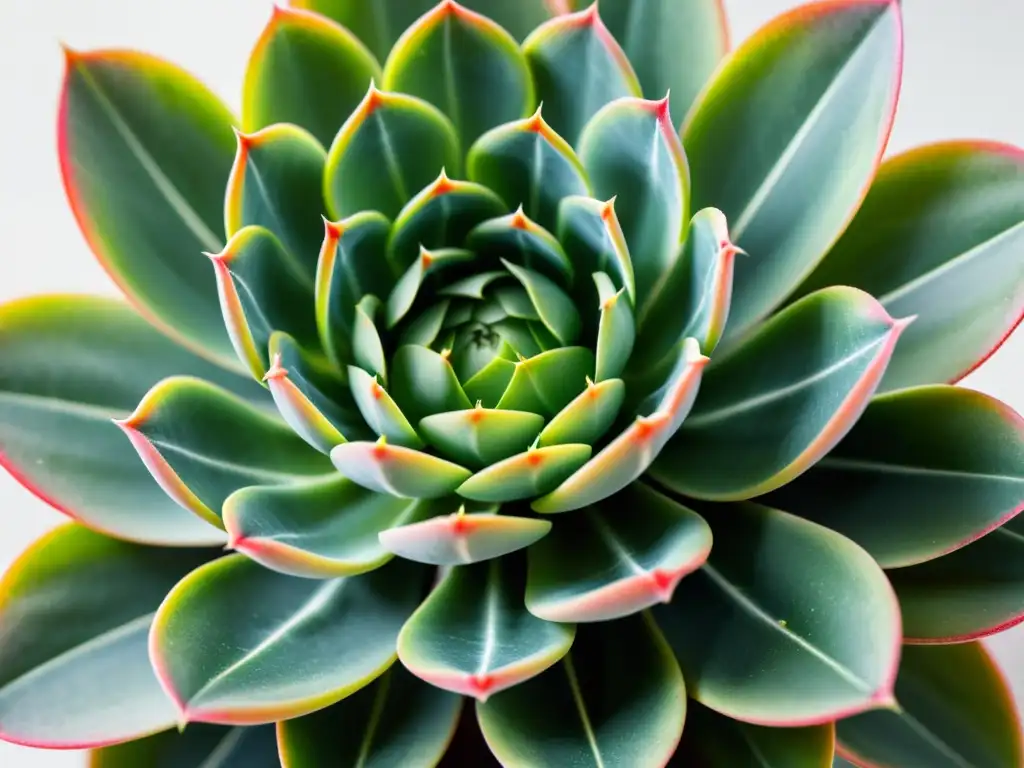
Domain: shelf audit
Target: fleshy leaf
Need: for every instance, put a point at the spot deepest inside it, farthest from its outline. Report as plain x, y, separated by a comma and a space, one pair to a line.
548, 382
529, 165
237, 644
955, 710
787, 137
464, 64
395, 144
478, 437
488, 385
588, 417
473, 636
76, 609
407, 289
616, 332
578, 68
167, 140
423, 383
903, 483
630, 454
308, 71
616, 559
973, 592
674, 46
760, 639
590, 232
320, 529
528, 474
402, 472
199, 743
802, 398
261, 290
68, 365
380, 411
201, 444
518, 239
617, 698
632, 151
367, 345
276, 183
396, 720
940, 235
554, 307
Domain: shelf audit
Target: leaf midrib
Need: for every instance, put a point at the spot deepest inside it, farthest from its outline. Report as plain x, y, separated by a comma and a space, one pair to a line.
865, 465
63, 405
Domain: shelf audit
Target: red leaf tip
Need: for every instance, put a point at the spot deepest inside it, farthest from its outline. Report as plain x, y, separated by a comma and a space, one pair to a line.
481, 686
608, 209
276, 371
660, 109
333, 230
519, 220
442, 186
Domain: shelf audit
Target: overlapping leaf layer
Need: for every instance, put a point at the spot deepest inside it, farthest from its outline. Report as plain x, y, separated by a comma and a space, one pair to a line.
504, 390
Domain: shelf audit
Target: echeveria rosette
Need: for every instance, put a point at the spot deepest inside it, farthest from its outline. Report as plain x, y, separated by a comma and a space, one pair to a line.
500, 387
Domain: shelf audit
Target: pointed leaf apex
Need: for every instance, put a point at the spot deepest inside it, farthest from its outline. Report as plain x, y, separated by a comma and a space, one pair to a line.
901, 324
333, 230
519, 219
373, 99
442, 185
660, 109
277, 371
691, 348
646, 426
608, 208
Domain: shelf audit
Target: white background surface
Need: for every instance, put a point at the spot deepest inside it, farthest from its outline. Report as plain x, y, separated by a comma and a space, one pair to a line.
962, 75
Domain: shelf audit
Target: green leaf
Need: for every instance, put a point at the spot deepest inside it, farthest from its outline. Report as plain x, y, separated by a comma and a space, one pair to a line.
529, 165
973, 592
237, 644
395, 144
367, 345
674, 47
923, 472
547, 382
588, 417
631, 453
261, 291
713, 741
472, 635
955, 710
518, 239
308, 71
616, 559
478, 437
197, 745
400, 471
617, 698
76, 609
423, 383
632, 152
352, 264
940, 235
440, 216
590, 232
396, 720
68, 365
616, 332
555, 308
787, 137
201, 444
531, 473
167, 140
464, 64
578, 68
787, 624
800, 397
489, 384
410, 284
380, 411
319, 529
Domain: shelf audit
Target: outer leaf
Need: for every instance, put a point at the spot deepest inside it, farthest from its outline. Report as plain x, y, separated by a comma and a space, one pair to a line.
201, 444
903, 483
478, 437
319, 529
526, 475
955, 710
616, 559
674, 47
713, 741
237, 644
396, 720
402, 472
788, 623
308, 71
197, 745
395, 144
578, 68
802, 398
941, 235
631, 151
76, 608
528, 165
806, 104
617, 698
473, 636
466, 65
276, 183
971, 593
167, 140
68, 365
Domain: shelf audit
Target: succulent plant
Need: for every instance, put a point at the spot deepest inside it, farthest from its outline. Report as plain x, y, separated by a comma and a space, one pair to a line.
546, 427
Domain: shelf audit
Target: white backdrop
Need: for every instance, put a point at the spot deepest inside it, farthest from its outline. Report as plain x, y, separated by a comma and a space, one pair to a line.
962, 79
